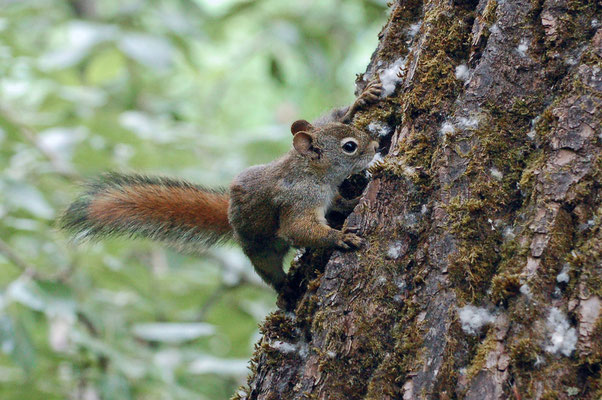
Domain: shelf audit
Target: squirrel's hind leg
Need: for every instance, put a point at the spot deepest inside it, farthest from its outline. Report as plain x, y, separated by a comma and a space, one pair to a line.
267, 261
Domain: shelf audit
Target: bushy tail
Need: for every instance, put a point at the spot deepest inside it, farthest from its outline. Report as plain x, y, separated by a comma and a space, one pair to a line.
182, 214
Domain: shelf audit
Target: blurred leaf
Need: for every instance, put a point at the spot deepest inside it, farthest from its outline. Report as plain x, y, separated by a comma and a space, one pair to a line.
152, 51
61, 141
83, 96
15, 341
58, 299
156, 128
26, 292
26, 197
24, 224
105, 66
133, 368
225, 8
58, 333
172, 332
52, 298
114, 386
219, 366
81, 37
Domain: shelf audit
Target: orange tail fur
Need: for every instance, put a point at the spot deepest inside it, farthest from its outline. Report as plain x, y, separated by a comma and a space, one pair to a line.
179, 213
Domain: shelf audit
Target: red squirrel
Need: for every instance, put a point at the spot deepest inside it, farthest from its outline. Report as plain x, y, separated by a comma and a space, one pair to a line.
267, 209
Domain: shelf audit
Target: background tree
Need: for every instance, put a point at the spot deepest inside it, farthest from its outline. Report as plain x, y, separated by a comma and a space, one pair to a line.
482, 279
196, 89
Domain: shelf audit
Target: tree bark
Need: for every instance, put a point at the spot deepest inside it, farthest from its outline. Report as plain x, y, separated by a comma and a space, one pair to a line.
482, 278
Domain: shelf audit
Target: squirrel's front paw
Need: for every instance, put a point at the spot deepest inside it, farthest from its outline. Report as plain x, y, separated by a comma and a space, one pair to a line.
349, 241
372, 92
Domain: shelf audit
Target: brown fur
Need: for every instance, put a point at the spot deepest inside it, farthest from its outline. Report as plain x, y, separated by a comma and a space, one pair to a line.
282, 204
182, 206
269, 207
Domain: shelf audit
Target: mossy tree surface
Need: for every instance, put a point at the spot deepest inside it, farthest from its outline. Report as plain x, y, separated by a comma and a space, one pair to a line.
489, 196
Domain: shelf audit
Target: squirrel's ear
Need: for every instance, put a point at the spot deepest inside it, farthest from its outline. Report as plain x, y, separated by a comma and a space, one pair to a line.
301, 125
303, 143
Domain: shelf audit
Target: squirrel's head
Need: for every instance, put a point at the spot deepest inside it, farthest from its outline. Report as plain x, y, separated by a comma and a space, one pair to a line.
338, 149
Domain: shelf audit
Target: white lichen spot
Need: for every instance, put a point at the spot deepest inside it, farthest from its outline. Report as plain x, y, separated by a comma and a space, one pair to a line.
473, 318
563, 276
595, 23
379, 128
494, 28
462, 72
447, 128
331, 354
303, 349
424, 209
572, 391
496, 173
522, 48
414, 28
381, 280
400, 283
509, 233
526, 291
562, 337
283, 347
468, 123
535, 120
531, 134
411, 171
394, 250
389, 77
491, 223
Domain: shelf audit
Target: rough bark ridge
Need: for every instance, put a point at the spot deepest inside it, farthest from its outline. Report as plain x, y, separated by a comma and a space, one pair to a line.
489, 197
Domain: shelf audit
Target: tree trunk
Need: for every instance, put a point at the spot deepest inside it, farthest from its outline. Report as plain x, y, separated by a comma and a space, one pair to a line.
482, 278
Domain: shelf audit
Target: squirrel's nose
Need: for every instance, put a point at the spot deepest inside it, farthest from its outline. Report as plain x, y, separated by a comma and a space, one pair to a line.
374, 145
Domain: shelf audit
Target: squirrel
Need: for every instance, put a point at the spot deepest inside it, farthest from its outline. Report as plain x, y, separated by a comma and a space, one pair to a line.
267, 209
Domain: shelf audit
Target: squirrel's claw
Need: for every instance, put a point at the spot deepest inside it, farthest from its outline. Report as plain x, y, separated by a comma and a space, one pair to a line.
350, 241
372, 92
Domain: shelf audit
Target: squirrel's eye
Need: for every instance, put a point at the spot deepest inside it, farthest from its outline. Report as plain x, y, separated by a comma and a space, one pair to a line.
349, 146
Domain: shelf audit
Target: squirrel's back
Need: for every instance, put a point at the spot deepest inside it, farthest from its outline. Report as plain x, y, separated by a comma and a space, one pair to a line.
253, 191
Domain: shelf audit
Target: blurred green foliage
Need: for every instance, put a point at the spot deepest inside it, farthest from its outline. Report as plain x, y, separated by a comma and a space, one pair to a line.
193, 89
